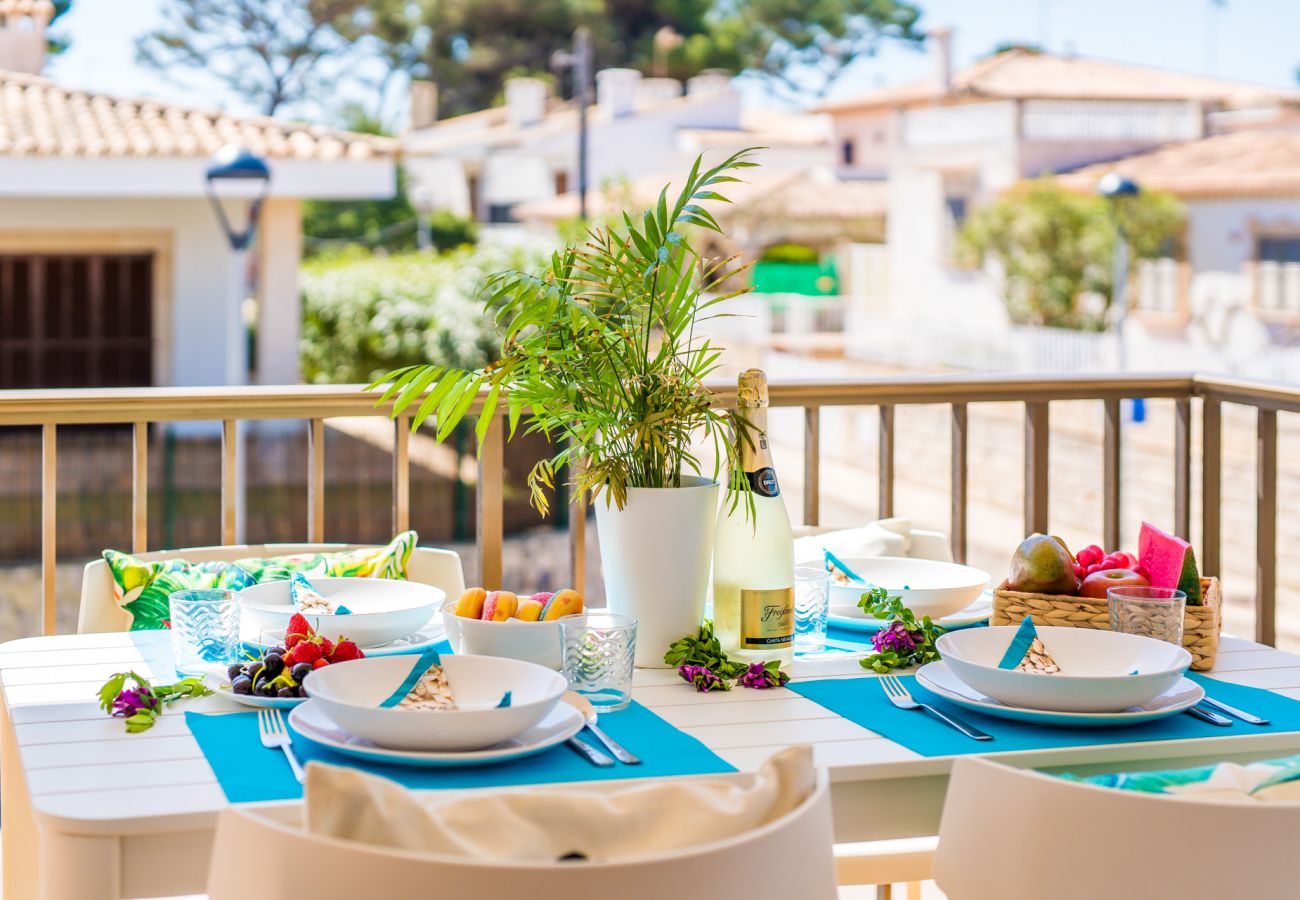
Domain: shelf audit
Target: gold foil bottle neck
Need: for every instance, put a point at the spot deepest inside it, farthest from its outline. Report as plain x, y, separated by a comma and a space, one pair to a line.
751, 388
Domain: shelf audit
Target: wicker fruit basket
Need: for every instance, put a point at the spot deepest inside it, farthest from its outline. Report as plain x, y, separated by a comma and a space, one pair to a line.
1201, 624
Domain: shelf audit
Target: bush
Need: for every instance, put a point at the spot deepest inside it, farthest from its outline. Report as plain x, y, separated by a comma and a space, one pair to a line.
790, 253
365, 315
1054, 246
448, 231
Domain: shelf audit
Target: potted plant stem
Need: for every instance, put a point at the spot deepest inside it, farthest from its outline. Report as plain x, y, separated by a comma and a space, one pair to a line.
600, 352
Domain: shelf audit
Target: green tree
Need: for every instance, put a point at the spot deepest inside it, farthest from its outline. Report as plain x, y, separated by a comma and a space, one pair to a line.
1053, 245
469, 47
56, 43
269, 52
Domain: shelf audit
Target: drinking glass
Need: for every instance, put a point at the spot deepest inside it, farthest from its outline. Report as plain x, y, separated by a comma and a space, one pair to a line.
598, 651
205, 630
1149, 611
812, 602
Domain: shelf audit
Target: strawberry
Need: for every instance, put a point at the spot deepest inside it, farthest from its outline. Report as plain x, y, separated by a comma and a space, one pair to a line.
345, 650
299, 627
326, 647
304, 652
319, 664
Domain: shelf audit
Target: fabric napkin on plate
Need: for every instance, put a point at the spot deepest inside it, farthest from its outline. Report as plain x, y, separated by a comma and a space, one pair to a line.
548, 823
423, 663
1024, 637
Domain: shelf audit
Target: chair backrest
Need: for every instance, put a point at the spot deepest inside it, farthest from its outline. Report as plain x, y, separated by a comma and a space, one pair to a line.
1015, 834
255, 852
99, 610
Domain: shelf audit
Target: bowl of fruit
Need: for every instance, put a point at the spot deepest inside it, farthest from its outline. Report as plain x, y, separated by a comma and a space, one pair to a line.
501, 623
277, 677
371, 611
436, 703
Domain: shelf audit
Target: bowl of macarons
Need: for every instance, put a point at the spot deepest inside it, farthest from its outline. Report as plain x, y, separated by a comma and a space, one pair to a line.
502, 623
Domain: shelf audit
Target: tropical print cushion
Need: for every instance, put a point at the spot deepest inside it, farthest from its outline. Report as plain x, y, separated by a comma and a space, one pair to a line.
142, 588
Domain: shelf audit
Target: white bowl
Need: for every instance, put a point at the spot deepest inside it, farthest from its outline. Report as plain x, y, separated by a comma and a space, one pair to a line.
350, 694
534, 642
383, 610
1096, 668
927, 587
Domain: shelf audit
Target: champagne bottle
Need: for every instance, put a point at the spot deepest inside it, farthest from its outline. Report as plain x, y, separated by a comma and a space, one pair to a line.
753, 558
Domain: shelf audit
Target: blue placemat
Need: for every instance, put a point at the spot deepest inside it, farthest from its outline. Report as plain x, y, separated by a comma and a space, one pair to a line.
249, 772
861, 700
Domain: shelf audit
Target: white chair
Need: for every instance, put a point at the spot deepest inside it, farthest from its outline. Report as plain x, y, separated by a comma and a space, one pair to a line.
1014, 834
261, 854
99, 610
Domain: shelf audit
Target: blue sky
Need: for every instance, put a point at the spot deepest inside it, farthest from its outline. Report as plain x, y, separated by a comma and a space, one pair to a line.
1250, 40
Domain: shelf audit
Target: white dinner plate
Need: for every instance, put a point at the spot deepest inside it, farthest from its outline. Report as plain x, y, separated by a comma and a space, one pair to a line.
563, 722
939, 679
426, 637
257, 702
854, 619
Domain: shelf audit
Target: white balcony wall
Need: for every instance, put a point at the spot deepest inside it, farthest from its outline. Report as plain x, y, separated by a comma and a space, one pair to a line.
971, 123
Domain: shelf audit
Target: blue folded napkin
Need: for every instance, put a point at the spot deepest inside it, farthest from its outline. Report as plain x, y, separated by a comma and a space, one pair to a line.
1024, 636
298, 585
422, 663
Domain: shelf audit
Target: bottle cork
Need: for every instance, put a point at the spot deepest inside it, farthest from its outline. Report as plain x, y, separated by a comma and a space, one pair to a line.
751, 389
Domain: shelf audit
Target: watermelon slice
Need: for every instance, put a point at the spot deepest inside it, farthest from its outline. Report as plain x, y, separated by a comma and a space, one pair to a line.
1169, 561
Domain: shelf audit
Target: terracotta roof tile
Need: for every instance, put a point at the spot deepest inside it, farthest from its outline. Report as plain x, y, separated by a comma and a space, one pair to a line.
1026, 75
39, 118
1240, 164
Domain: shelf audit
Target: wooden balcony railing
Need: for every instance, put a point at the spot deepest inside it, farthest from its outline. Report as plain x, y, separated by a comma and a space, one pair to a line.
142, 407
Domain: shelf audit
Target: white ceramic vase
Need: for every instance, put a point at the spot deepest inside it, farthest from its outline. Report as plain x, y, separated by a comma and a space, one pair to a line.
655, 553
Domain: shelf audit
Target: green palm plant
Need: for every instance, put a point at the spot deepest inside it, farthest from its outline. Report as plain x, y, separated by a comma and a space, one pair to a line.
600, 353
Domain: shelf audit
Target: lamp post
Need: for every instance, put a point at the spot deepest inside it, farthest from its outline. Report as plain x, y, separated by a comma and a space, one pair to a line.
1115, 187
237, 178
579, 61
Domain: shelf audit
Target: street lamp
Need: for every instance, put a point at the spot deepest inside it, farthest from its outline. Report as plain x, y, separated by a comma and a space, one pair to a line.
579, 61
236, 177
1115, 187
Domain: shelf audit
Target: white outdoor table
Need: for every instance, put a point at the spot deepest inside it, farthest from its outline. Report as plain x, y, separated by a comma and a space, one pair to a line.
118, 815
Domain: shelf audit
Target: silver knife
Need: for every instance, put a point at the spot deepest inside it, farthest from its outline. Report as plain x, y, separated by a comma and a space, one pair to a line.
1205, 715
1234, 712
590, 753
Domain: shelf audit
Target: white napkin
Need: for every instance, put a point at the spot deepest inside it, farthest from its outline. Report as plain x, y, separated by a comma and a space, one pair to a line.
1237, 783
548, 823
885, 537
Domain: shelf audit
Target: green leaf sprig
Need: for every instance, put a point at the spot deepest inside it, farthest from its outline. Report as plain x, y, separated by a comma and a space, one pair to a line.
905, 641
141, 705
703, 649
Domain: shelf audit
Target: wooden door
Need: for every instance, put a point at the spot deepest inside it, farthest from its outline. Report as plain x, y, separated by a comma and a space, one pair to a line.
76, 320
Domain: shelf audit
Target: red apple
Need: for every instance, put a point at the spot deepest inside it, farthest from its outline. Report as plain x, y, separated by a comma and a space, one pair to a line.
1096, 584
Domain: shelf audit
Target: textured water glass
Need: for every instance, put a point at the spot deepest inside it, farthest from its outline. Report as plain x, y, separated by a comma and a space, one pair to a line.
812, 600
205, 630
1149, 611
598, 652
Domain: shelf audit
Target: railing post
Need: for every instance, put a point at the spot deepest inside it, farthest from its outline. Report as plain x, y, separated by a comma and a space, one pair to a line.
1036, 474
316, 480
811, 465
1111, 475
491, 465
401, 474
140, 488
229, 480
1183, 467
49, 511
885, 491
1211, 483
959, 457
1266, 528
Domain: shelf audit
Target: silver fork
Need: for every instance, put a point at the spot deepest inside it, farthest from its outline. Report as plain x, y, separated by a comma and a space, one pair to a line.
270, 724
902, 698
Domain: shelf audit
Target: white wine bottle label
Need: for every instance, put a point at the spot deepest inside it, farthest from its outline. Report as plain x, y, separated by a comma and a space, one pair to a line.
763, 482
766, 619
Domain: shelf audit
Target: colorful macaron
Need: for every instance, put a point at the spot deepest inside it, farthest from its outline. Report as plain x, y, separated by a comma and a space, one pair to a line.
470, 604
499, 606
563, 603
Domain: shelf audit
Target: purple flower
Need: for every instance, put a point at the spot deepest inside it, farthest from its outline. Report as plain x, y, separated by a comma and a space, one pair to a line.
896, 637
702, 677
133, 700
759, 676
